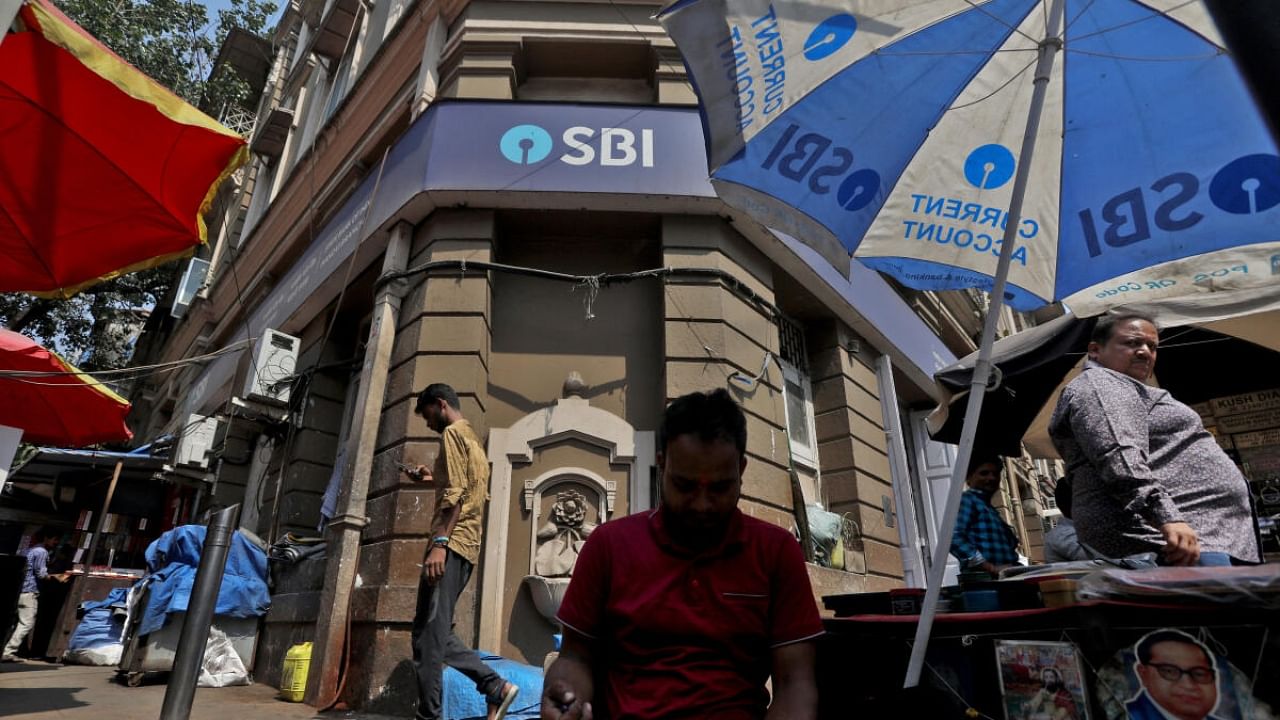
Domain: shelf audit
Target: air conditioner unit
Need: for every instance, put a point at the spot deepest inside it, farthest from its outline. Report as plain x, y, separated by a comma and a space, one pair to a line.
194, 440
275, 357
192, 280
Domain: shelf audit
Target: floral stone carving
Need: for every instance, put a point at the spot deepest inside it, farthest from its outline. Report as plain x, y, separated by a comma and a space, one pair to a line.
561, 538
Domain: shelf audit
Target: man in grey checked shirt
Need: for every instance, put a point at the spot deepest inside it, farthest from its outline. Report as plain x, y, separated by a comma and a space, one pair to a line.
1145, 474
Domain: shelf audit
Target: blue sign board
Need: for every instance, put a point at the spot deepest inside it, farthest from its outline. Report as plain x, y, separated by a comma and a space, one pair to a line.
458, 146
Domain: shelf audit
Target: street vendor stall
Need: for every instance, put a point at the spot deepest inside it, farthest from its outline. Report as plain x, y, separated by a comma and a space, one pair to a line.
108, 506
1080, 660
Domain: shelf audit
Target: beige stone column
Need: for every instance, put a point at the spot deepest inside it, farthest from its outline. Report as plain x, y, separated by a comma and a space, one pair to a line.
481, 66
712, 332
853, 453
443, 337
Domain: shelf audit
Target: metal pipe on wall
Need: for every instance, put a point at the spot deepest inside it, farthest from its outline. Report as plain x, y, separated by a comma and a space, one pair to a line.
345, 529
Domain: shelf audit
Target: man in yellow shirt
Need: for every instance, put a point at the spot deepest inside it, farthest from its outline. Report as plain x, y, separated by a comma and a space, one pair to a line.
461, 479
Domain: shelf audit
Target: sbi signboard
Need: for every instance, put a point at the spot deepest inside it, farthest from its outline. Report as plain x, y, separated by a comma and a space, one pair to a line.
569, 148
613, 147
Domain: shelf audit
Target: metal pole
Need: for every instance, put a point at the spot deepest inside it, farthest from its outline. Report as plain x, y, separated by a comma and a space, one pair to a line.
195, 627
102, 517
1049, 47
8, 13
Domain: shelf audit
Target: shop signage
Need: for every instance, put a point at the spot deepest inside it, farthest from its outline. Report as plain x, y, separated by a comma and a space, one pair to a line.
1261, 463
459, 148
568, 148
1247, 402
1260, 438
1257, 420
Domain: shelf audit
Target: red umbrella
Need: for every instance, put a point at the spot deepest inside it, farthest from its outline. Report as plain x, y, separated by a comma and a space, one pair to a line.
102, 170
51, 401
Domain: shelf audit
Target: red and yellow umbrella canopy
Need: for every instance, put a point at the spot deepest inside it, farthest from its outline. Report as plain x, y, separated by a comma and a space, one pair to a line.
102, 170
52, 402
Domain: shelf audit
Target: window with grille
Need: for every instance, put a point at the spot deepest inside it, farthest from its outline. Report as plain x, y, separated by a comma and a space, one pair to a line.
798, 394
791, 344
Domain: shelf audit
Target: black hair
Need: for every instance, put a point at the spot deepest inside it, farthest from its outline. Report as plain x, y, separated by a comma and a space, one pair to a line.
44, 533
1143, 649
1106, 325
710, 416
980, 458
434, 392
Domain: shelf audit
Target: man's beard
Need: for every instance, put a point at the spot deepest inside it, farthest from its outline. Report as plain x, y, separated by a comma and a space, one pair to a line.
697, 535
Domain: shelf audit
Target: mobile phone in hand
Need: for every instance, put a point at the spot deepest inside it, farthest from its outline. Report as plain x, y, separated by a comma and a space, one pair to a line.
410, 470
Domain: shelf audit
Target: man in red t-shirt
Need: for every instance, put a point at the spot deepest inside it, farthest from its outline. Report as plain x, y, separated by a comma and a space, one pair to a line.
686, 611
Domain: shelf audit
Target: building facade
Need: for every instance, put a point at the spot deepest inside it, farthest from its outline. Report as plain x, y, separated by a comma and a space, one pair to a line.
511, 197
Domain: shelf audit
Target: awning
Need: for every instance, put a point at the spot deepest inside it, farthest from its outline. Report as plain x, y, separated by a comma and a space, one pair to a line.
47, 465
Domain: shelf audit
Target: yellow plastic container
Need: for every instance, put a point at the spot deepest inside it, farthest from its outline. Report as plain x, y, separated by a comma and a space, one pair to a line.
293, 681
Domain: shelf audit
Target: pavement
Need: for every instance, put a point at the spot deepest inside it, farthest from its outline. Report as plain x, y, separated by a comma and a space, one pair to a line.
34, 690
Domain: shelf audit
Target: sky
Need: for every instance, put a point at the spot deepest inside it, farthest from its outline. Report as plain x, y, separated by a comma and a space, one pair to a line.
215, 5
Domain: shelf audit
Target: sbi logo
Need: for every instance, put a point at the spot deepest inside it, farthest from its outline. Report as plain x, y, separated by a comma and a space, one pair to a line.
525, 144
829, 36
1245, 186
617, 147
823, 166
990, 166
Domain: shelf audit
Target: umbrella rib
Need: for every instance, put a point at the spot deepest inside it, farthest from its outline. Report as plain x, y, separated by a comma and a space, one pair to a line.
30, 244
50, 411
1014, 28
900, 53
1079, 15
1132, 58
1156, 13
993, 93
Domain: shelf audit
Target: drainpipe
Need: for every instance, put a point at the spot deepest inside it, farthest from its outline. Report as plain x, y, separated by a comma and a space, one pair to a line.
344, 530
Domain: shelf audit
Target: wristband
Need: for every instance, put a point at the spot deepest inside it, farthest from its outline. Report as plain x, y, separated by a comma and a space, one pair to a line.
440, 540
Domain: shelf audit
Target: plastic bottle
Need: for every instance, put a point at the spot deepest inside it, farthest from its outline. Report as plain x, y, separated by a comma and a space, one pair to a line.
293, 681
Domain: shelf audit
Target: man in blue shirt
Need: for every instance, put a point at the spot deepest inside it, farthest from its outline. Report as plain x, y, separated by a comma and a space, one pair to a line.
982, 540
43, 542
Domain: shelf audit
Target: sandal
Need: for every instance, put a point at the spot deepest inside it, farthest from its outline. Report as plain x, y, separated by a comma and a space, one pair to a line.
508, 696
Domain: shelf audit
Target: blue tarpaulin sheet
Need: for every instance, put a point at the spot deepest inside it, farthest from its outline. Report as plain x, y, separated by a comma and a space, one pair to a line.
100, 626
173, 559
462, 702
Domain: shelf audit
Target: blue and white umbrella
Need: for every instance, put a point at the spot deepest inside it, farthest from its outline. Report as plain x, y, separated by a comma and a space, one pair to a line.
1089, 151
892, 130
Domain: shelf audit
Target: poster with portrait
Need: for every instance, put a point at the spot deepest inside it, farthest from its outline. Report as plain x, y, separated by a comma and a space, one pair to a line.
1174, 673
1041, 680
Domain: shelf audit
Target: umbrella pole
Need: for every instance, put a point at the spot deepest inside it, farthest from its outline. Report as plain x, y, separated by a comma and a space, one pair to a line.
8, 12
982, 368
